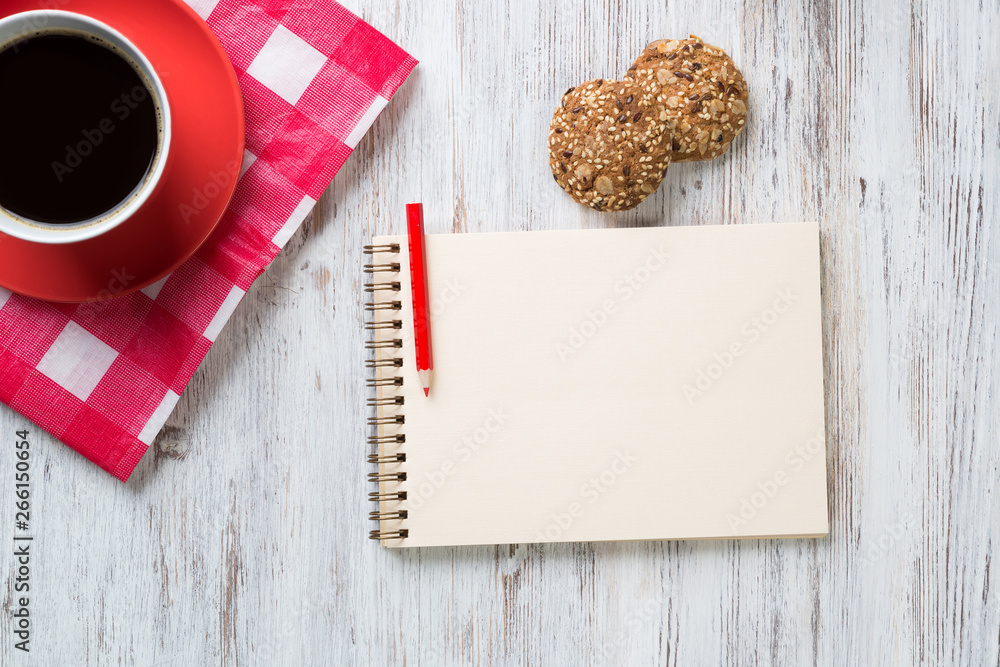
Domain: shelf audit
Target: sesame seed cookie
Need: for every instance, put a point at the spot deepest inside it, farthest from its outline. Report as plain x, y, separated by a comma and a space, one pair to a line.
608, 147
702, 92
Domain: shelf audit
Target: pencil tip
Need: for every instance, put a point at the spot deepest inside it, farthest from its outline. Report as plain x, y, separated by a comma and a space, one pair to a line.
425, 382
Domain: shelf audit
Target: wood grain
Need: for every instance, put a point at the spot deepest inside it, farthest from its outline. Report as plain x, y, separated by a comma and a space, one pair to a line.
241, 538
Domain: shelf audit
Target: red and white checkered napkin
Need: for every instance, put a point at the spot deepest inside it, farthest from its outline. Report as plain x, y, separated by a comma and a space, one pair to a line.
103, 378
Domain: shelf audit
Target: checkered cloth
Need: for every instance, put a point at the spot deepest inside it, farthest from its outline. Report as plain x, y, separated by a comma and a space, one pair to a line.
103, 378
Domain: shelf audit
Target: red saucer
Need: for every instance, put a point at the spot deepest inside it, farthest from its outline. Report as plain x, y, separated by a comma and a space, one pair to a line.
206, 155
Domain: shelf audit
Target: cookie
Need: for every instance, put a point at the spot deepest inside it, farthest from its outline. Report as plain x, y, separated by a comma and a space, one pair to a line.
701, 91
608, 147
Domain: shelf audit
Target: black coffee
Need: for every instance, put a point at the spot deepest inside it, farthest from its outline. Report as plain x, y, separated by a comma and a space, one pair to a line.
79, 128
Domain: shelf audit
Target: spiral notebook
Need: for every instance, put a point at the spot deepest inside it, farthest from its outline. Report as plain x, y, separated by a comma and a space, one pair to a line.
635, 384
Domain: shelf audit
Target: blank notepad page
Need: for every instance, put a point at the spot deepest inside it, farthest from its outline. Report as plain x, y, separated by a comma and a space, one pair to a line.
638, 384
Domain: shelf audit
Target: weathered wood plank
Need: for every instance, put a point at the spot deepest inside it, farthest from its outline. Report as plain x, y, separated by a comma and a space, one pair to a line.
241, 539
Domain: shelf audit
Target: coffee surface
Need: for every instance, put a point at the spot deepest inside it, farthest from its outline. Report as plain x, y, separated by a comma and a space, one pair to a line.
79, 128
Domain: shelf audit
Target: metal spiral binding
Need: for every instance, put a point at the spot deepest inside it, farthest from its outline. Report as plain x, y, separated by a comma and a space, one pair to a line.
386, 379
391, 458
392, 400
382, 363
386, 439
385, 497
388, 305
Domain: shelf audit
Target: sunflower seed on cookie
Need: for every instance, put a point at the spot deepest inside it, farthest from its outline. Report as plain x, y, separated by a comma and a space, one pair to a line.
608, 145
701, 92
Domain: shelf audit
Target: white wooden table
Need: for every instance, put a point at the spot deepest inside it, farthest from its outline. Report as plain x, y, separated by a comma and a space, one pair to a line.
241, 539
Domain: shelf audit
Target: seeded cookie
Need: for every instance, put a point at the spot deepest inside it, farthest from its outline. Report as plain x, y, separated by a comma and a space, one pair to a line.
700, 89
608, 147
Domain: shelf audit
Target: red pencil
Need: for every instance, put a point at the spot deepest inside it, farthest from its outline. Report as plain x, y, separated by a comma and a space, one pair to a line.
418, 283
